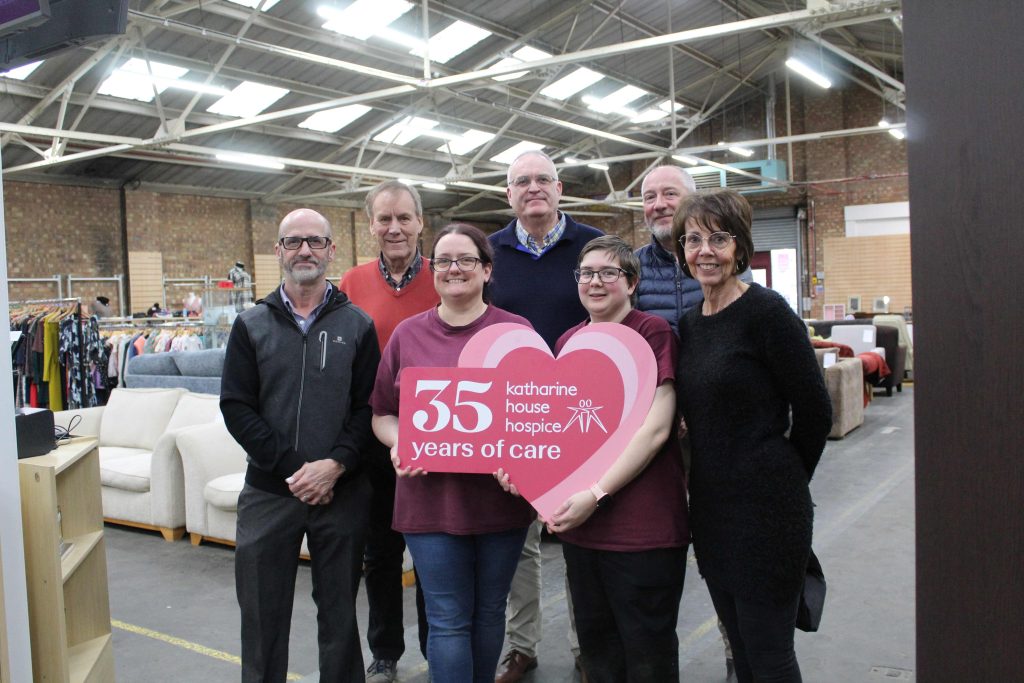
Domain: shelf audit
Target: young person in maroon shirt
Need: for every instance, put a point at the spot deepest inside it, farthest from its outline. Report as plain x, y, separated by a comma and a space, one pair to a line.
464, 532
625, 537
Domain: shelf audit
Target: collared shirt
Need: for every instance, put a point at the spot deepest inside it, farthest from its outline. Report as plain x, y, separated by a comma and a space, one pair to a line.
304, 323
529, 244
411, 272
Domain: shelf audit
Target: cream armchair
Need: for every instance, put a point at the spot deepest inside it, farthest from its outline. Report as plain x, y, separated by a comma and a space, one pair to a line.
140, 468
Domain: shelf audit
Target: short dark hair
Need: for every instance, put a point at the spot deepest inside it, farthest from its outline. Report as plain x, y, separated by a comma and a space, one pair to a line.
617, 247
392, 186
720, 209
480, 241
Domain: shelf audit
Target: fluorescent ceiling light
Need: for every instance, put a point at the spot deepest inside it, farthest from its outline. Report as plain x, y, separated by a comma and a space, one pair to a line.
523, 54
452, 41
884, 123
575, 161
250, 160
435, 186
22, 72
742, 151
807, 72
599, 166
897, 133
407, 181
253, 4
510, 154
567, 86
132, 80
686, 159
616, 102
333, 120
466, 142
247, 99
406, 130
363, 18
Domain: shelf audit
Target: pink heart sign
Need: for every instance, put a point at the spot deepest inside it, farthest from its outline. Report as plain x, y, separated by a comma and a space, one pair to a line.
556, 425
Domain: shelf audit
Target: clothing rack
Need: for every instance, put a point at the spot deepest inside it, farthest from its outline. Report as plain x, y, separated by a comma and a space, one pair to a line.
83, 358
61, 300
119, 279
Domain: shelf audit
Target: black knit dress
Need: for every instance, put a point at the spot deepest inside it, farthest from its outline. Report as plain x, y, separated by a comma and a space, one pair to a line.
740, 372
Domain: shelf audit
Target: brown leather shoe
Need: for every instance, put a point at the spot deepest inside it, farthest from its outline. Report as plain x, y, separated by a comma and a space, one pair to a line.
514, 667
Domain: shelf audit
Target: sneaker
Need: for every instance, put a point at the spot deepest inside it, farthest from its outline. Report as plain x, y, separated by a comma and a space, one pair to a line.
514, 667
382, 671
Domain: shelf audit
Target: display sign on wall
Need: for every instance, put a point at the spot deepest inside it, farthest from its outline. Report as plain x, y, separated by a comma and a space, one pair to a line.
554, 424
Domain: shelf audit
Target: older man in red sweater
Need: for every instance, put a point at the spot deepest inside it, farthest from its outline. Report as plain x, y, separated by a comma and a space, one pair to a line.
390, 288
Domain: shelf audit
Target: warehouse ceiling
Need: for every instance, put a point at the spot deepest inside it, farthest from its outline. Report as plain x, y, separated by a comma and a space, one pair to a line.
337, 95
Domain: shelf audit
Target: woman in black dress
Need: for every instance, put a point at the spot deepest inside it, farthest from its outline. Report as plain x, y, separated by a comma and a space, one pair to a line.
745, 365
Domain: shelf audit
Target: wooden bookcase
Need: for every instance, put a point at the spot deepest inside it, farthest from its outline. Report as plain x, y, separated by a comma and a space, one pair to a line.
68, 602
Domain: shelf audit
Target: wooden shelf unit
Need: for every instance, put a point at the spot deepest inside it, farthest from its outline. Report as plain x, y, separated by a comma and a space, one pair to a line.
68, 600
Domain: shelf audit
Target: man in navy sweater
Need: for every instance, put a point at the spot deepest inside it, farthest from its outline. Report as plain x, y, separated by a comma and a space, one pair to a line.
534, 257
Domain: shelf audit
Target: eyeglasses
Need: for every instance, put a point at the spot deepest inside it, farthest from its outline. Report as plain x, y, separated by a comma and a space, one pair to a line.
442, 265
542, 180
607, 275
314, 242
716, 240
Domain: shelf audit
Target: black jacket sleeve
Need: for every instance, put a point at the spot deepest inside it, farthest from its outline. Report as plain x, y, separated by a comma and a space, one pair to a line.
267, 449
354, 442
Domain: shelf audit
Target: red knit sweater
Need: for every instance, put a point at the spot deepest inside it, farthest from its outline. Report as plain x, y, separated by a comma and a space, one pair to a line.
366, 287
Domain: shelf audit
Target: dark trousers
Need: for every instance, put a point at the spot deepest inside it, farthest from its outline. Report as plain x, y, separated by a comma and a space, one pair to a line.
761, 636
382, 565
626, 605
270, 529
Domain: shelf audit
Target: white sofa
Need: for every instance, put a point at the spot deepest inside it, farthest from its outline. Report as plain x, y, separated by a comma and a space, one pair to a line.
214, 466
140, 468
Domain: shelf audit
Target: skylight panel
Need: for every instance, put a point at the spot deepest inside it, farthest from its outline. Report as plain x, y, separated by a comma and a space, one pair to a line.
253, 4
247, 99
405, 131
510, 154
363, 18
466, 142
22, 72
132, 80
569, 85
333, 120
452, 41
616, 102
523, 54
668, 106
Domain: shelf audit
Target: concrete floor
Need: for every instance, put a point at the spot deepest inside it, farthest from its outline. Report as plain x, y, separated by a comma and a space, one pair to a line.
176, 619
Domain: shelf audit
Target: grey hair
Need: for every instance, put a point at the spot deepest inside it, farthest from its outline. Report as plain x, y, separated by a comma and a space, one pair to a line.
392, 186
529, 152
688, 181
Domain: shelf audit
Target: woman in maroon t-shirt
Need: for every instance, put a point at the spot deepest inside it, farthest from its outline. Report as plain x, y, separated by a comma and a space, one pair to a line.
464, 532
625, 538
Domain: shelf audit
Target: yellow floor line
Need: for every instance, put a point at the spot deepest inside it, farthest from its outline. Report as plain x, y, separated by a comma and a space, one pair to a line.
186, 644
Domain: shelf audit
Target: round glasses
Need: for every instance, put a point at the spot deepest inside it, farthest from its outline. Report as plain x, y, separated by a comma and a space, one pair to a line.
445, 264
607, 275
314, 242
694, 241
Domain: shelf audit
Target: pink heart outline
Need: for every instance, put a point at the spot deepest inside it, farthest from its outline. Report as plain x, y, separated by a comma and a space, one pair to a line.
628, 351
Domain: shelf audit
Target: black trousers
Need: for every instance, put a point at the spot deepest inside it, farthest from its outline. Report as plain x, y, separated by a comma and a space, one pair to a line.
269, 536
761, 636
626, 605
382, 565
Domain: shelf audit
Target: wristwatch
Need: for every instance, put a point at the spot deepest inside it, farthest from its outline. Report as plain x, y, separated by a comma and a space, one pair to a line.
603, 499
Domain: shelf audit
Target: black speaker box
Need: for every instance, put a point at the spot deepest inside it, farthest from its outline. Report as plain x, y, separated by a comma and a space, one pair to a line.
35, 432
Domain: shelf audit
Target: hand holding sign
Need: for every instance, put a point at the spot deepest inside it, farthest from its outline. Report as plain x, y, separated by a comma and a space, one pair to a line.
555, 425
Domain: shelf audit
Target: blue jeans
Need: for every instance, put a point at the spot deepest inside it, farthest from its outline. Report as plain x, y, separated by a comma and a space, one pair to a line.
465, 581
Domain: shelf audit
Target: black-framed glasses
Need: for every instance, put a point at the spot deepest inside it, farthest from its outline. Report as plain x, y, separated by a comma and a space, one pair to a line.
314, 242
442, 265
543, 180
607, 275
717, 240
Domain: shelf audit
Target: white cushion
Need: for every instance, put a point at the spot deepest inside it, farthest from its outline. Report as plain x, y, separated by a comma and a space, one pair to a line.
137, 417
222, 492
130, 473
194, 409
109, 453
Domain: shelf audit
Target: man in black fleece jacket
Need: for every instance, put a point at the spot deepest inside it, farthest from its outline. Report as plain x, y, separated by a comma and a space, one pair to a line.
298, 374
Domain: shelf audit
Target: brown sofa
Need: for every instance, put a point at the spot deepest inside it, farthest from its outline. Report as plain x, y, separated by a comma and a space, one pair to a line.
845, 383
